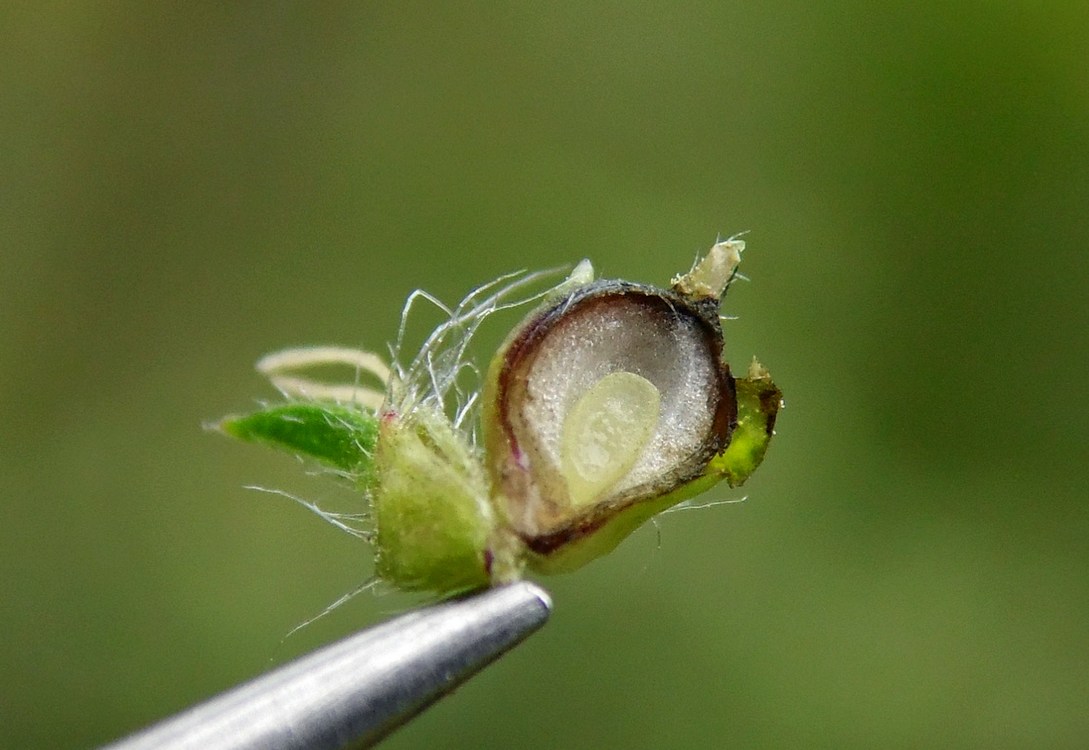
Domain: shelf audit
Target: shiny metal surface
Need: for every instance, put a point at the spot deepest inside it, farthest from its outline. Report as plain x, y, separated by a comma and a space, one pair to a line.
354, 692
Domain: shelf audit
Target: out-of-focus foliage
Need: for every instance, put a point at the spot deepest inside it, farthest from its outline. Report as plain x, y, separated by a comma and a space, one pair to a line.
183, 189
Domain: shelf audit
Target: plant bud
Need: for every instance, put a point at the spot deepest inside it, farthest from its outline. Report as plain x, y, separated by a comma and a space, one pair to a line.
608, 404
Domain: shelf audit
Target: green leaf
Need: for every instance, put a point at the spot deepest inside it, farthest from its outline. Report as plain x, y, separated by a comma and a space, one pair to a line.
341, 436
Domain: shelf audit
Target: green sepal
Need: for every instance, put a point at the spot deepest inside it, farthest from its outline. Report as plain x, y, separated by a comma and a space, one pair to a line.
433, 519
340, 436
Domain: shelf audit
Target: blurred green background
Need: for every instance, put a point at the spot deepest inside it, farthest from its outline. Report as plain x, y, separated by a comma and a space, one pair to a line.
184, 188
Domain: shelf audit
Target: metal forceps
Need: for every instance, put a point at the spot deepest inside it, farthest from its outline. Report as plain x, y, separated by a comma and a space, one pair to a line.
354, 692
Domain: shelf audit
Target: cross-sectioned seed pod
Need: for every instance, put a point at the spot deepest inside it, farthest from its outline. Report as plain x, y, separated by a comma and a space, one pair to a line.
609, 403
609, 398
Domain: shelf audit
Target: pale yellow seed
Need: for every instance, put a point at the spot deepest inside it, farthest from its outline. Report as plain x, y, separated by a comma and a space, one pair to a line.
605, 432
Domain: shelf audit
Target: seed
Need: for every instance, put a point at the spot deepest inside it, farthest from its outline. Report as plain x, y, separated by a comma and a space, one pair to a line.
605, 433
